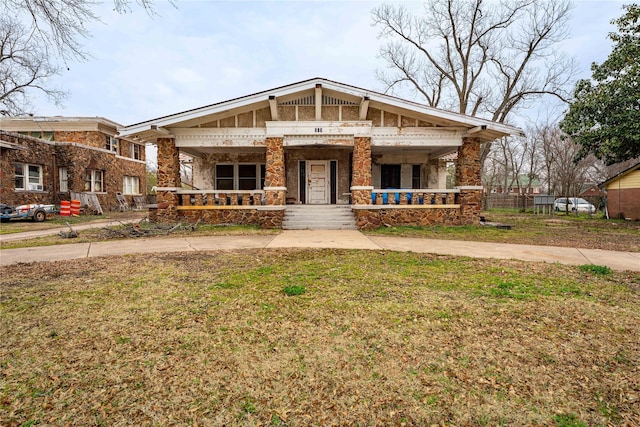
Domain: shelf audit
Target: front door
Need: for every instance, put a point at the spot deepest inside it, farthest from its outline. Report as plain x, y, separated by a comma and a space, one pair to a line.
317, 182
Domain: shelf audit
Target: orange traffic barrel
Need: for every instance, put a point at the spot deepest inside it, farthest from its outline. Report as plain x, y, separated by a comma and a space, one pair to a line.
75, 207
65, 208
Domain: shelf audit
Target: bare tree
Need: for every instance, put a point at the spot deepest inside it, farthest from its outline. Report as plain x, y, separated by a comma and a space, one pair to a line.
24, 65
563, 175
531, 160
37, 36
476, 58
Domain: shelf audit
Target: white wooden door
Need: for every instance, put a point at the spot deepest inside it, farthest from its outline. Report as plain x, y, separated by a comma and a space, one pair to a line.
317, 183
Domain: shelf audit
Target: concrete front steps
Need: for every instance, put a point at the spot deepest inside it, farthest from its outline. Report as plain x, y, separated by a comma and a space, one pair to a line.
319, 217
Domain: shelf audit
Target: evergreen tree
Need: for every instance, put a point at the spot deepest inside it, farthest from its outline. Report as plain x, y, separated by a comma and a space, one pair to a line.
604, 117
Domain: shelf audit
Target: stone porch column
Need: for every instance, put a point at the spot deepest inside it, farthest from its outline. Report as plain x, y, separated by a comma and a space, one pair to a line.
275, 184
468, 180
361, 181
168, 179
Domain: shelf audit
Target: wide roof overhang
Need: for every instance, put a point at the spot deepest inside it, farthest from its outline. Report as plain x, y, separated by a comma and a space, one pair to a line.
483, 129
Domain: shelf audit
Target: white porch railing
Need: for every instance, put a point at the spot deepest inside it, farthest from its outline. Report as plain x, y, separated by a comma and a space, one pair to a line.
211, 198
421, 196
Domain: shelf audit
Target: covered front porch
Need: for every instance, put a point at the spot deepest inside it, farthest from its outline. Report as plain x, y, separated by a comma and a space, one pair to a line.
381, 184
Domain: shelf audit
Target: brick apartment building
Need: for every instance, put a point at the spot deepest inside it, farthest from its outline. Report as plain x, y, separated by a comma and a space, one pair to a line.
43, 159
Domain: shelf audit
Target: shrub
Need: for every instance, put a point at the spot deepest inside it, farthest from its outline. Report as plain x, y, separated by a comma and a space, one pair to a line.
596, 269
295, 290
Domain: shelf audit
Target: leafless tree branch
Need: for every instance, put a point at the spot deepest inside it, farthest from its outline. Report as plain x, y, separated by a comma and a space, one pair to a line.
483, 58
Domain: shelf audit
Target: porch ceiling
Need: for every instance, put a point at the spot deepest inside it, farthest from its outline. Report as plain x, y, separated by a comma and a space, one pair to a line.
417, 152
201, 151
432, 152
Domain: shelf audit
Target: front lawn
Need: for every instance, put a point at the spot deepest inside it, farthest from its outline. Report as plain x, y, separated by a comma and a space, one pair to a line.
573, 231
317, 337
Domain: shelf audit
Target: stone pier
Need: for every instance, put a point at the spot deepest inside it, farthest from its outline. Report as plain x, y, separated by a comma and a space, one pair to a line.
361, 181
468, 181
168, 180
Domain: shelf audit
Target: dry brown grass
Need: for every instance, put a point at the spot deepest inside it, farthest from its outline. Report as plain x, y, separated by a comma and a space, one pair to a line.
378, 338
557, 230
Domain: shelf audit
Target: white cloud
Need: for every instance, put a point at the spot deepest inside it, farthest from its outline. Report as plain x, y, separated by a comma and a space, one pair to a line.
206, 52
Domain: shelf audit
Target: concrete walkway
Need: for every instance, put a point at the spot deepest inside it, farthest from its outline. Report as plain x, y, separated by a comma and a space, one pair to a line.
339, 239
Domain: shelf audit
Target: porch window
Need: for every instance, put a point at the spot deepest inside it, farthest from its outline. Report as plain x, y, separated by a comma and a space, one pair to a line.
94, 180
28, 177
415, 177
224, 177
390, 176
63, 173
246, 176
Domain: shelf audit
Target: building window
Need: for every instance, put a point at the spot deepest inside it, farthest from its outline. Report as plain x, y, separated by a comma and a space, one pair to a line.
94, 181
390, 176
63, 173
136, 151
240, 176
247, 177
224, 177
415, 176
28, 177
112, 144
131, 185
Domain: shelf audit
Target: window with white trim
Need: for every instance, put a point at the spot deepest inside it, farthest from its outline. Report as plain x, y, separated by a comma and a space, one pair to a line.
131, 185
112, 144
63, 173
243, 176
136, 151
224, 177
94, 181
247, 177
28, 177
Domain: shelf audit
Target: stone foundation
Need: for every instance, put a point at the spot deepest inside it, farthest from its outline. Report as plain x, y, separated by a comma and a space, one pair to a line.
369, 219
263, 218
470, 206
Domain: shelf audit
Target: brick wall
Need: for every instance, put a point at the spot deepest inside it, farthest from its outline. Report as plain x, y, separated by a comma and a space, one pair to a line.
37, 152
91, 138
624, 203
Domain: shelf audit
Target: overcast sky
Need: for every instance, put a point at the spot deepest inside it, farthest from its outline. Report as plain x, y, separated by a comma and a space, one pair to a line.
202, 52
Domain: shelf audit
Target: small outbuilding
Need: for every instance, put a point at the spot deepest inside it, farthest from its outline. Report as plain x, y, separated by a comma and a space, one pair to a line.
623, 194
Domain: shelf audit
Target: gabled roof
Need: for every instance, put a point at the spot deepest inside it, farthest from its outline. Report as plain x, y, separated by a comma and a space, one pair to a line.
620, 175
488, 129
